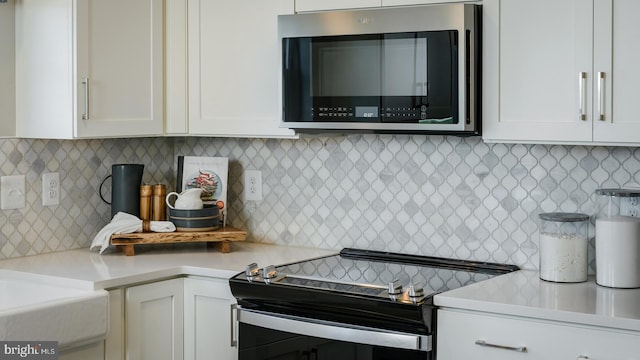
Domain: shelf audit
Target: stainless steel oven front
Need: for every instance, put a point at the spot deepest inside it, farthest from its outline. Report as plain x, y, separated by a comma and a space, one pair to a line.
265, 335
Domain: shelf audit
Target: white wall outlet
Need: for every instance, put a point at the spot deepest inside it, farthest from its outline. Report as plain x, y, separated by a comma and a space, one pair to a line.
50, 189
253, 185
12, 192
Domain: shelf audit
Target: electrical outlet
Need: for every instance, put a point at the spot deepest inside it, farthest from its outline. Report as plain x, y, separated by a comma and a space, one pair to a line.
12, 192
253, 185
50, 189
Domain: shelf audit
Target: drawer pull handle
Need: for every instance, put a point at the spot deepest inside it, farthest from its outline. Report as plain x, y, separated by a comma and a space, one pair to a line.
522, 349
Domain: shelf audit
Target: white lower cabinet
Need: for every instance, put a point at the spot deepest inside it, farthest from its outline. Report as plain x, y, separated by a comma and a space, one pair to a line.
154, 316
209, 312
94, 351
183, 318
471, 335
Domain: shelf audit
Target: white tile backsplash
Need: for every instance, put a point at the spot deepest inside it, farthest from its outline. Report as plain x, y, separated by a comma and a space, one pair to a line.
431, 195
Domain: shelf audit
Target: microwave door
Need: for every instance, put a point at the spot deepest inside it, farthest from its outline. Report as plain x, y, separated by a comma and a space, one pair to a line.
418, 79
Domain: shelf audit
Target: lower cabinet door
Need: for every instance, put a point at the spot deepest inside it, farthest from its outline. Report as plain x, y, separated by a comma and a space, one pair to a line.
469, 335
154, 321
94, 351
209, 320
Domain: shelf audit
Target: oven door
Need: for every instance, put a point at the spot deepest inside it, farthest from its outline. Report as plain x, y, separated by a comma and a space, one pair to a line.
274, 336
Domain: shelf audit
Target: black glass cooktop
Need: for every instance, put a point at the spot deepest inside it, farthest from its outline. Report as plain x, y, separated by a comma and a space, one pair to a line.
360, 285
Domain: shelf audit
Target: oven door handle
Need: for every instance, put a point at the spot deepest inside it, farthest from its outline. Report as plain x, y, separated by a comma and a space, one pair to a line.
335, 331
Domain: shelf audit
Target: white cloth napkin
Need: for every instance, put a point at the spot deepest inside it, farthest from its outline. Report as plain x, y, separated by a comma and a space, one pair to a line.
123, 223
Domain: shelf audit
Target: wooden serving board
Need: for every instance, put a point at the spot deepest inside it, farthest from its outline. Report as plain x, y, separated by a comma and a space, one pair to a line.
221, 239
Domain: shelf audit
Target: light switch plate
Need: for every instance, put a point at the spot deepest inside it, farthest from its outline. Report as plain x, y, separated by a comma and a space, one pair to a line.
12, 192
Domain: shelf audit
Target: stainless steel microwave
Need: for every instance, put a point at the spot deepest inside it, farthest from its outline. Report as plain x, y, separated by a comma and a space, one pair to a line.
386, 70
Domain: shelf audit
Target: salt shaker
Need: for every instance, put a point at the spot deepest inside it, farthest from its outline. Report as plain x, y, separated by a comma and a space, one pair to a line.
563, 246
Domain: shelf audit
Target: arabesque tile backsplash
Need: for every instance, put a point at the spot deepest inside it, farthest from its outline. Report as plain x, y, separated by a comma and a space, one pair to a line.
435, 195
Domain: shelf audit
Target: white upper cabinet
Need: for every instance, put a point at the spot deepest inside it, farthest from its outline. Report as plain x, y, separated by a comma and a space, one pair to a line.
7, 70
542, 62
417, 2
534, 55
234, 71
89, 68
323, 5
616, 71
319, 5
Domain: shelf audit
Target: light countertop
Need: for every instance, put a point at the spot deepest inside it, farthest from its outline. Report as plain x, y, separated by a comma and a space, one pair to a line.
87, 269
522, 293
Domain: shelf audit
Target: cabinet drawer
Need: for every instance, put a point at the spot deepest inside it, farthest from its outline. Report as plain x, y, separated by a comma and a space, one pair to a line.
459, 335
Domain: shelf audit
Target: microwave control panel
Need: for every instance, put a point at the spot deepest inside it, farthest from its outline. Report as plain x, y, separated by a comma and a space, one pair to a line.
395, 110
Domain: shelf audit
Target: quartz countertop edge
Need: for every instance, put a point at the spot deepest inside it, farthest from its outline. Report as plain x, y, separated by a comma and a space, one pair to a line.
86, 269
523, 294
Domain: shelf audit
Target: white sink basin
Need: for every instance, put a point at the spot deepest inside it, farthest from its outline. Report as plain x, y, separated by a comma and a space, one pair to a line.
35, 307
19, 293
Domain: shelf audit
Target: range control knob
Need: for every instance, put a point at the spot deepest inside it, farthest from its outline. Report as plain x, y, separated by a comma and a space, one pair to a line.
252, 270
269, 272
416, 291
394, 287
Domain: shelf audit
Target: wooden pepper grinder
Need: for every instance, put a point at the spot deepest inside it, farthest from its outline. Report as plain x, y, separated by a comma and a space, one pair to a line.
146, 191
159, 207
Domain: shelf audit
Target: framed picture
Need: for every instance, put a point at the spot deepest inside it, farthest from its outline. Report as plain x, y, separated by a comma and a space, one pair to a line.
208, 173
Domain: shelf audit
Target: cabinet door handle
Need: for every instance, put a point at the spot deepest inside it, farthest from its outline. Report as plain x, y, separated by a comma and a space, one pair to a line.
601, 77
522, 349
234, 316
85, 82
582, 93
582, 357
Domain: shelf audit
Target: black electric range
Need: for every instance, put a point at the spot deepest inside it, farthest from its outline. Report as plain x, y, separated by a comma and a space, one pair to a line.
360, 287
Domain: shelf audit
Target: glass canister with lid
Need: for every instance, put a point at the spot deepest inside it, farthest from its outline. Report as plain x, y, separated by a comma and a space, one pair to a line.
618, 238
563, 246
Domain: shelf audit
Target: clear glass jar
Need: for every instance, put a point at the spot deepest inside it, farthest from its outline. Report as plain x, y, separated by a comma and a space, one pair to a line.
618, 238
564, 241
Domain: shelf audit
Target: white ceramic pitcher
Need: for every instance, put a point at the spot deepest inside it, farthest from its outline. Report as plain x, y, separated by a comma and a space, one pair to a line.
186, 200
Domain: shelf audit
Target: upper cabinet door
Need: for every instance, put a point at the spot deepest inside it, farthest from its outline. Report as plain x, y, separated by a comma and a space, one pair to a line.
537, 61
617, 75
89, 68
234, 68
123, 62
416, 2
7, 70
319, 5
